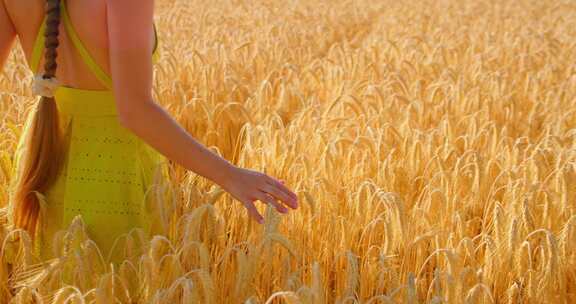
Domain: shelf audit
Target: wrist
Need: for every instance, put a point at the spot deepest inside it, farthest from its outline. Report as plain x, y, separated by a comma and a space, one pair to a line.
225, 174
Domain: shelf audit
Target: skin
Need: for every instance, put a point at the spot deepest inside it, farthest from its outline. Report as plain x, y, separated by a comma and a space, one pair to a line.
120, 36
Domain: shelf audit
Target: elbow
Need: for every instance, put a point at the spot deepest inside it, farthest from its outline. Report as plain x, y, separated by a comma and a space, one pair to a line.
126, 119
132, 110
129, 113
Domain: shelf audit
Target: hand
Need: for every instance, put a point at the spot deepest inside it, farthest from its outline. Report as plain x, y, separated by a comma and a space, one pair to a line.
248, 185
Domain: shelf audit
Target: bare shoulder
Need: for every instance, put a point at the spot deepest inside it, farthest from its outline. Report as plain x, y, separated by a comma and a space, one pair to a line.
129, 7
23, 11
129, 4
24, 14
131, 39
130, 21
19, 7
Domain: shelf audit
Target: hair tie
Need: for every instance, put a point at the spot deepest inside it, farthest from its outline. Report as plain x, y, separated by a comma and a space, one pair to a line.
45, 86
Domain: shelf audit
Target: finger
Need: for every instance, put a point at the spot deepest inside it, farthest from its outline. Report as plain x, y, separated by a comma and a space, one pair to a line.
280, 185
266, 198
253, 212
279, 194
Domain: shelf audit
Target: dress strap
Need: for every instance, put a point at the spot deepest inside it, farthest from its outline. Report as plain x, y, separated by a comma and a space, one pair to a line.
98, 72
104, 78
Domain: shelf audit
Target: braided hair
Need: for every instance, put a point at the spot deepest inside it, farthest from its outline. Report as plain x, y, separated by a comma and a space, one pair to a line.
42, 158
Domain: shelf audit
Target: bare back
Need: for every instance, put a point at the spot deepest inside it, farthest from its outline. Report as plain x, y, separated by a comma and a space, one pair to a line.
89, 20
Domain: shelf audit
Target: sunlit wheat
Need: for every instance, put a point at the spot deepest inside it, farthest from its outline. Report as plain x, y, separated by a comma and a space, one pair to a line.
432, 144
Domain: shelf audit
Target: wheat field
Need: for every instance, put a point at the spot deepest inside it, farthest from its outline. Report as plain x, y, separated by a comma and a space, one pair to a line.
432, 145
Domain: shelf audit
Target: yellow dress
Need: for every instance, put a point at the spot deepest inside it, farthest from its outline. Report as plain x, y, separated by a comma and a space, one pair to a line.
107, 169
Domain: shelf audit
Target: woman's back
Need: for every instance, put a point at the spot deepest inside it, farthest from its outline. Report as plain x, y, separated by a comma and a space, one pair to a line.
106, 169
89, 20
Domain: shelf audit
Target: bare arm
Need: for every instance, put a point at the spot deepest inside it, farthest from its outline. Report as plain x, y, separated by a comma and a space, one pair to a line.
131, 44
7, 34
129, 25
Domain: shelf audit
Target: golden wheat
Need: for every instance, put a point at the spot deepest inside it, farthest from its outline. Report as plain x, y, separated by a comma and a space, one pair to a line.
432, 142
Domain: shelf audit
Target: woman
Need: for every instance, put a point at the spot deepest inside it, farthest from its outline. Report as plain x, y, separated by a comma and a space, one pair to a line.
95, 137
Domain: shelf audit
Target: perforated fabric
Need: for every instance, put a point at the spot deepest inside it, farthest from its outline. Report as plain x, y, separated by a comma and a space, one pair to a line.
107, 170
